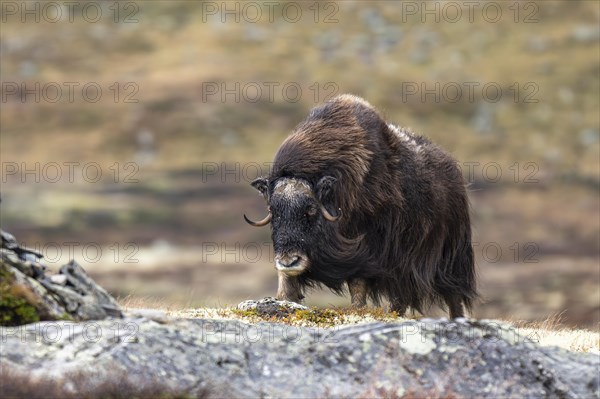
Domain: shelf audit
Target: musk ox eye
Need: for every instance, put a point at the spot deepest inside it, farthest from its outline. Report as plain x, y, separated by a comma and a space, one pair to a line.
312, 211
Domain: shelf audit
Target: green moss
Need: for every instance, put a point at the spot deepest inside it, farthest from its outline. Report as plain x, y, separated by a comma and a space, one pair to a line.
246, 313
317, 317
321, 317
15, 308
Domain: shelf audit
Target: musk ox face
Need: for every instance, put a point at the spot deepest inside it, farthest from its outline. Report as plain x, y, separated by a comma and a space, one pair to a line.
299, 219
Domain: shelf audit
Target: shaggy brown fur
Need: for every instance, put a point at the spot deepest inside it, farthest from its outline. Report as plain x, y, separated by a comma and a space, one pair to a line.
404, 231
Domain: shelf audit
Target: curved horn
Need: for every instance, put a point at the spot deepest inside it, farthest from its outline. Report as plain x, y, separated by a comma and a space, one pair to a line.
329, 216
260, 223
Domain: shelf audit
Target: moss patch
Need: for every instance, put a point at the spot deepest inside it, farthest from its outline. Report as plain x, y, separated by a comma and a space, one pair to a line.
16, 304
316, 317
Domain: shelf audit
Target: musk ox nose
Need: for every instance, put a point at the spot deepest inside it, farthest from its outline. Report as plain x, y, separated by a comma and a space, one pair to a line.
292, 265
288, 261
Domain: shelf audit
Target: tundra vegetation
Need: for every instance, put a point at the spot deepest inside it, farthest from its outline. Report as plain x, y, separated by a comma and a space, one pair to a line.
541, 213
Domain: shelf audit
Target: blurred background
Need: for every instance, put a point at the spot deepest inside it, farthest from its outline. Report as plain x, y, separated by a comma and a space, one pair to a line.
130, 132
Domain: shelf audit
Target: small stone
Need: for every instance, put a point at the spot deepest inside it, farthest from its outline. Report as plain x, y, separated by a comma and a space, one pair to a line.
157, 315
484, 119
589, 136
270, 306
59, 279
586, 33
566, 95
538, 44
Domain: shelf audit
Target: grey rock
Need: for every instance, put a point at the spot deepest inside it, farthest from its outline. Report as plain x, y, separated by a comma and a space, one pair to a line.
9, 242
373, 19
328, 43
538, 44
271, 307
484, 118
546, 67
589, 136
70, 294
388, 38
425, 42
419, 56
566, 95
436, 358
254, 33
28, 69
586, 33
150, 314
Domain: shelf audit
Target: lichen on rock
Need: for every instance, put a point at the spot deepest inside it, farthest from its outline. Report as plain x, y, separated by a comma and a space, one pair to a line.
438, 358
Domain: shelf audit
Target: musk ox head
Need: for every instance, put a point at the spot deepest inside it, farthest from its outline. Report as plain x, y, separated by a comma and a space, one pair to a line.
299, 217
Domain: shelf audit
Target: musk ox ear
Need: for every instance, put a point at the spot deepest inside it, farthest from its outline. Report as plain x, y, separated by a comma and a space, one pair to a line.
324, 189
262, 185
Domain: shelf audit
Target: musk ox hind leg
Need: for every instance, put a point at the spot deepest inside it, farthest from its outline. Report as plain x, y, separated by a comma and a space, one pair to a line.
399, 306
358, 292
289, 288
459, 290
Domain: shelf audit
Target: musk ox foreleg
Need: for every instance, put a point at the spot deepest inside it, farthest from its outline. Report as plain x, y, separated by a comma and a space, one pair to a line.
289, 288
455, 306
358, 292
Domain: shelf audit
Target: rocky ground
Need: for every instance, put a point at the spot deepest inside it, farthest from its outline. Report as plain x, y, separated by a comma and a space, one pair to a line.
226, 357
148, 354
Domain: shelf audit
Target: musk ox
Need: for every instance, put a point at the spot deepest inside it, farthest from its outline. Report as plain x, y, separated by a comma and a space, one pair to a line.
356, 201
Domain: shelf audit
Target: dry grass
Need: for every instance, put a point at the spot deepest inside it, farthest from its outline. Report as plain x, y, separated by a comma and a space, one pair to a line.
133, 302
551, 332
573, 340
173, 82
